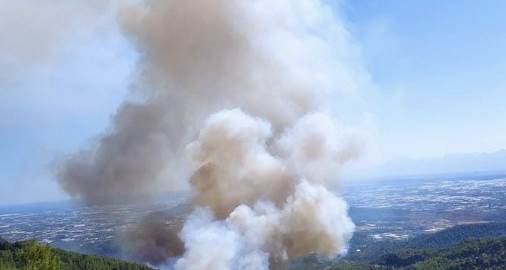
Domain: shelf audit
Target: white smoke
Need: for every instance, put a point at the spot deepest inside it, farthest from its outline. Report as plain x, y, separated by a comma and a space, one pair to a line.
270, 206
242, 89
231, 164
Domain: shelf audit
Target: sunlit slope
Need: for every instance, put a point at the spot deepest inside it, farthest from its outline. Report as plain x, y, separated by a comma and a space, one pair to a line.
30, 255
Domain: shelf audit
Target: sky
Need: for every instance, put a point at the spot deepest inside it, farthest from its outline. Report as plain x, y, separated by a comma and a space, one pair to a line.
439, 67
437, 82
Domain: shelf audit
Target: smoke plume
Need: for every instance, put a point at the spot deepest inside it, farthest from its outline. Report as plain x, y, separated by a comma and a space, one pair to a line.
154, 239
235, 106
265, 193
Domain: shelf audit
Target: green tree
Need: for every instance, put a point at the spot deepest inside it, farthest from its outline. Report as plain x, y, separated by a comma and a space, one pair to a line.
33, 256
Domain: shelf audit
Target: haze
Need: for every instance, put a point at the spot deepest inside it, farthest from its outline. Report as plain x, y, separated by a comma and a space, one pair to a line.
433, 86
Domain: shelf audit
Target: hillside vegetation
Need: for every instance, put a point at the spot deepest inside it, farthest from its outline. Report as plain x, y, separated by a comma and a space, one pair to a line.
474, 246
438, 240
486, 253
479, 254
30, 255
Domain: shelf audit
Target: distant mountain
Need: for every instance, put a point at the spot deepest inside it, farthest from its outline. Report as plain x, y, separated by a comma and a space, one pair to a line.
32, 255
494, 162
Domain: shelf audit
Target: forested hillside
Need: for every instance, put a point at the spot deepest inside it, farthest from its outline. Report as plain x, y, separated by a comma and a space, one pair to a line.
486, 253
438, 240
473, 246
479, 254
30, 255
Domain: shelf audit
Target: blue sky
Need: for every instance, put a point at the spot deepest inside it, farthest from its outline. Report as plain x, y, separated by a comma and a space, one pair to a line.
439, 67
437, 70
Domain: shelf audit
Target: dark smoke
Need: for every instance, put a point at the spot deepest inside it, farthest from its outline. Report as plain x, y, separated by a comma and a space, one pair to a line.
127, 162
154, 239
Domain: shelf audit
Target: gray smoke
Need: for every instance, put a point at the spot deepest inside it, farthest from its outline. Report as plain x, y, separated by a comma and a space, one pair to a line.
276, 60
154, 239
235, 106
